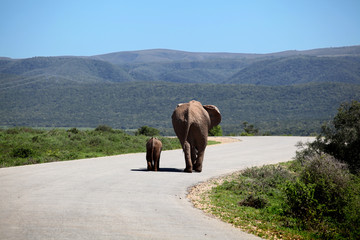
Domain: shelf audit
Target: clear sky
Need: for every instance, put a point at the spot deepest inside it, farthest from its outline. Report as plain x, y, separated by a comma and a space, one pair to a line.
31, 28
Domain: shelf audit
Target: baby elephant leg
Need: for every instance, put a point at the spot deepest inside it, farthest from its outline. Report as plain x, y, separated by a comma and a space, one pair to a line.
156, 160
149, 162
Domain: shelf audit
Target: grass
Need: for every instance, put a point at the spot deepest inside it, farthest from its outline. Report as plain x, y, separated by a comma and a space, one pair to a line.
255, 200
22, 146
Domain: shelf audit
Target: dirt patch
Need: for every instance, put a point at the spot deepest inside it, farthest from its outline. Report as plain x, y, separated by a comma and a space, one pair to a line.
221, 140
224, 139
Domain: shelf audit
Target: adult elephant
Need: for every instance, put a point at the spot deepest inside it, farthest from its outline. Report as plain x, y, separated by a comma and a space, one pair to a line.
191, 122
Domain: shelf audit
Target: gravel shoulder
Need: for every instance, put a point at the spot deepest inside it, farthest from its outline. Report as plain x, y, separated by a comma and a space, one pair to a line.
199, 194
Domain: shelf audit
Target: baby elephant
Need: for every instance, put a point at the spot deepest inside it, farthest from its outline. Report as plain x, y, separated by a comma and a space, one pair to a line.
153, 150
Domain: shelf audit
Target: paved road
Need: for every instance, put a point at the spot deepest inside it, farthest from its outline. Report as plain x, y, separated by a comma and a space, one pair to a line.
115, 198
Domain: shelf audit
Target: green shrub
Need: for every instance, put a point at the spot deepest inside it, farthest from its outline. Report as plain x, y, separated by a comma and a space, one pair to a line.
351, 225
216, 131
254, 201
249, 130
22, 152
12, 131
104, 128
73, 130
341, 138
320, 197
95, 141
301, 202
331, 179
268, 176
36, 139
147, 131
326, 195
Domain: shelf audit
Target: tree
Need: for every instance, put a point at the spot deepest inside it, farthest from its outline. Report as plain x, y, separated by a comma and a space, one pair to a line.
250, 130
216, 131
101, 128
147, 131
341, 138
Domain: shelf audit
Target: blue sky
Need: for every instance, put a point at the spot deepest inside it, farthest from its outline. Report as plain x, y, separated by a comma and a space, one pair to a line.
31, 28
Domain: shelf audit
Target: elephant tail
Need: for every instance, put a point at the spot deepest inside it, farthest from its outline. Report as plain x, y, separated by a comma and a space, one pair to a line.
187, 129
181, 124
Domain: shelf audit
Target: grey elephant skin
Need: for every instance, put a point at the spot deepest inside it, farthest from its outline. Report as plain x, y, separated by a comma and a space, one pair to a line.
153, 151
191, 122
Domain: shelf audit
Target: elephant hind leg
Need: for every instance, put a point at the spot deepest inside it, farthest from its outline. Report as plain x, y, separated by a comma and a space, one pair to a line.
149, 161
149, 166
188, 162
193, 156
199, 161
156, 161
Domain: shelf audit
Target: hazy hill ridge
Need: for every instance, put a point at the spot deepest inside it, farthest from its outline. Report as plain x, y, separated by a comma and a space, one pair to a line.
166, 55
290, 67
299, 70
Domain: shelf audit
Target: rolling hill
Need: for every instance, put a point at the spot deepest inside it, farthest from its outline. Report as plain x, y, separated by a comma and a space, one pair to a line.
299, 70
285, 68
291, 92
69, 68
166, 55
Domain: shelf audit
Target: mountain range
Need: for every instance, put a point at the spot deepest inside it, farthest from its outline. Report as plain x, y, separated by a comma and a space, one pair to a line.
72, 91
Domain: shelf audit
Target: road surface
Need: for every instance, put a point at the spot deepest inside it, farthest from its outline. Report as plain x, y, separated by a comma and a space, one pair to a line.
115, 198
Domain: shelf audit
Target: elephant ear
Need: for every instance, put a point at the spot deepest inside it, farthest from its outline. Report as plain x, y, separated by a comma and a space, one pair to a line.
214, 114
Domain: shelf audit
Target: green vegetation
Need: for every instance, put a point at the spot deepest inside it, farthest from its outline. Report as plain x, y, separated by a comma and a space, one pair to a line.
24, 71
249, 130
147, 131
315, 196
296, 110
324, 199
216, 131
22, 146
318, 200
181, 67
299, 70
283, 93
341, 138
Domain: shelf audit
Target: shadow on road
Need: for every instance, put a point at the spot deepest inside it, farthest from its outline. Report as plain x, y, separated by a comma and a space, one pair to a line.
161, 170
